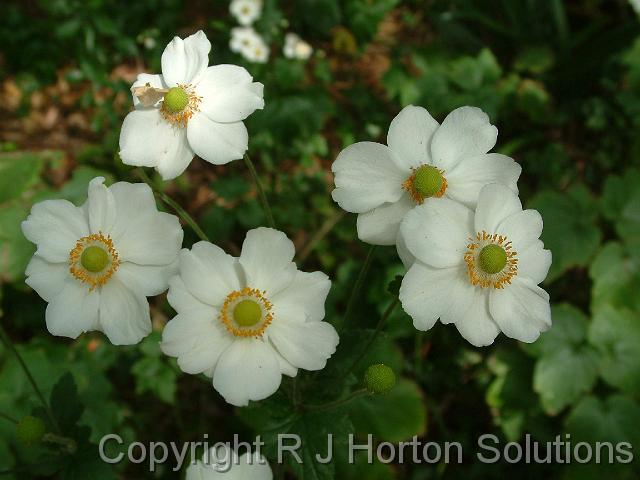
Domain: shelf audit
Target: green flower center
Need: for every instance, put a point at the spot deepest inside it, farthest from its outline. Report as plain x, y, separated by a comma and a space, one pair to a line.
94, 259
427, 181
176, 99
492, 259
247, 313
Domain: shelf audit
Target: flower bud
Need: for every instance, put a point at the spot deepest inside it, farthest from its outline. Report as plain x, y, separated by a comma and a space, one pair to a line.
379, 379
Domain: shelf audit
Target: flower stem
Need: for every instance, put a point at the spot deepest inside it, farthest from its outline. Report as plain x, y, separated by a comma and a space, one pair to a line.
357, 287
182, 213
326, 227
9, 344
261, 195
9, 418
383, 319
363, 392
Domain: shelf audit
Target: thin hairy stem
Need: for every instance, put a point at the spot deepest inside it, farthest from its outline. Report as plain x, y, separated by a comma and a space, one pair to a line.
357, 287
261, 194
363, 392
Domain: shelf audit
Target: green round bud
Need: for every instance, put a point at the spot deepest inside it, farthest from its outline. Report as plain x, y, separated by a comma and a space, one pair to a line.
379, 379
94, 258
247, 313
492, 259
176, 99
30, 430
427, 181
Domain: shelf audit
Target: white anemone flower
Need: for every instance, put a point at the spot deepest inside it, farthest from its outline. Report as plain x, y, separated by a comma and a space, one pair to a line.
479, 271
191, 109
96, 264
223, 463
246, 321
246, 11
424, 162
296, 48
248, 43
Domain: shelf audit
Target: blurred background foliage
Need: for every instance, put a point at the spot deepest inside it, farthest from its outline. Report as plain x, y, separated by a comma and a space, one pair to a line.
560, 79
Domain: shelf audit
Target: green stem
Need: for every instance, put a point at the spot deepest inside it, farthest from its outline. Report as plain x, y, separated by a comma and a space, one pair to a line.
9, 418
182, 213
363, 392
383, 319
68, 444
355, 293
322, 232
261, 195
9, 344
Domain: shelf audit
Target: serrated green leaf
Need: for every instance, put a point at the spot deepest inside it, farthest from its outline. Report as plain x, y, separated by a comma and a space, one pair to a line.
394, 417
570, 229
615, 273
616, 335
65, 403
15, 250
18, 171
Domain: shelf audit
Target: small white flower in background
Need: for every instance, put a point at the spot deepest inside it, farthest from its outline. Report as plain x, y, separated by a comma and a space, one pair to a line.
96, 264
248, 43
295, 47
246, 11
223, 463
424, 162
246, 321
189, 109
479, 271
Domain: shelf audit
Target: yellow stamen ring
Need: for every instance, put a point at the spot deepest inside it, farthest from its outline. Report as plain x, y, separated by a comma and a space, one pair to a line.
246, 312
94, 260
484, 255
183, 96
424, 182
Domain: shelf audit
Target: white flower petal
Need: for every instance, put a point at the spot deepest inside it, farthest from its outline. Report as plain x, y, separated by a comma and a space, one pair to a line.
266, 259
308, 291
285, 367
366, 176
467, 178
197, 338
495, 203
74, 310
306, 345
148, 140
380, 226
464, 132
437, 232
209, 273
522, 228
124, 313
149, 279
184, 60
180, 298
55, 226
247, 370
476, 324
521, 310
46, 278
229, 93
534, 262
101, 207
409, 136
217, 143
142, 234
405, 255
253, 467
429, 293
155, 81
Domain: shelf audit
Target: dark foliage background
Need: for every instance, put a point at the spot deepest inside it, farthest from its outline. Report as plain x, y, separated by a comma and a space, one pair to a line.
560, 79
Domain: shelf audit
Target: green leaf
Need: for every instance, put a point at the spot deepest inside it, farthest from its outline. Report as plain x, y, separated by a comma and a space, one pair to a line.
65, 403
394, 417
617, 192
15, 250
567, 367
615, 273
152, 372
616, 335
570, 229
18, 171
